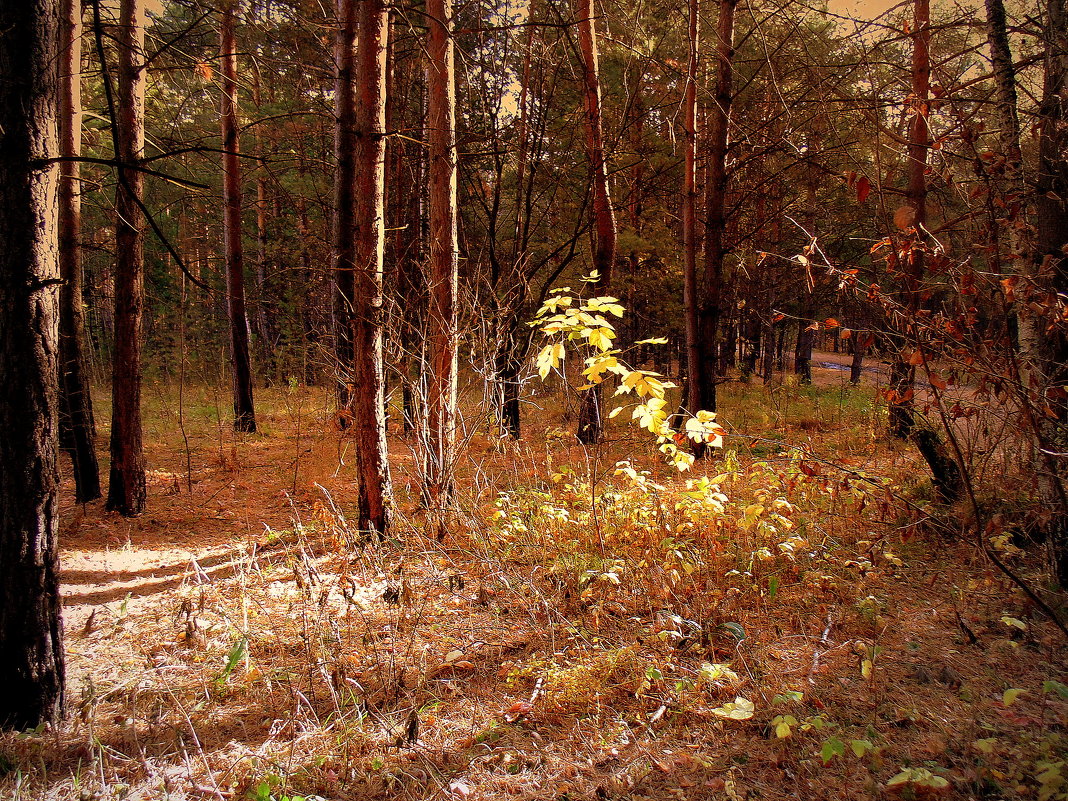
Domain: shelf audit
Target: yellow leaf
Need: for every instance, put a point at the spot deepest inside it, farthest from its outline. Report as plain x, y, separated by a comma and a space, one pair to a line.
1008, 698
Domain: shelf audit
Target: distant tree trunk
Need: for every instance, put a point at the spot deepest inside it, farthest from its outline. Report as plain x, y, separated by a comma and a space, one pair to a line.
309, 299
344, 205
694, 352
244, 410
368, 402
77, 426
902, 373
31, 633
861, 342
604, 221
703, 371
265, 311
803, 349
126, 486
441, 333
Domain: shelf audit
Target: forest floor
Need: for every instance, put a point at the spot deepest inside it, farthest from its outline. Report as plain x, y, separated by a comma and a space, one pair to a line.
808, 623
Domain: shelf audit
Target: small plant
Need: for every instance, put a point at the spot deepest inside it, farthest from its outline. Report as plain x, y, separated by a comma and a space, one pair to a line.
568, 320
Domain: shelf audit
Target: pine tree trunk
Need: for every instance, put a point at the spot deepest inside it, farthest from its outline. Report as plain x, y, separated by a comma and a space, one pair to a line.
694, 352
241, 363
368, 403
31, 633
126, 485
77, 425
604, 221
441, 333
704, 372
344, 205
902, 374
1051, 256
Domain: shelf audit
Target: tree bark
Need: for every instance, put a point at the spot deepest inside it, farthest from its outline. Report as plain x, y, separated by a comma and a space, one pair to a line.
126, 486
344, 204
31, 633
694, 351
704, 368
368, 402
441, 333
241, 363
604, 221
77, 425
902, 373
1051, 257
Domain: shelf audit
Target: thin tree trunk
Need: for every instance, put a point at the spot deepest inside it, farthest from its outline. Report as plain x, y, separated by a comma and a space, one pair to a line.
344, 205
126, 485
31, 632
704, 371
694, 351
861, 340
604, 221
265, 311
441, 333
77, 426
244, 410
368, 403
902, 373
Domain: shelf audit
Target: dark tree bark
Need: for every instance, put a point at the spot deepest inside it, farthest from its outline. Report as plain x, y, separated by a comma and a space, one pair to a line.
126, 486
694, 352
77, 425
704, 368
344, 204
31, 634
241, 363
368, 401
441, 333
1051, 256
802, 349
604, 221
902, 373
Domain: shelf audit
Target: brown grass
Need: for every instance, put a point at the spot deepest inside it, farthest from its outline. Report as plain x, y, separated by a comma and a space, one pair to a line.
238, 642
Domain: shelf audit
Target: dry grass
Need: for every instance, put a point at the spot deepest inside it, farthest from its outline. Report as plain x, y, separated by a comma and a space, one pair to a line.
238, 642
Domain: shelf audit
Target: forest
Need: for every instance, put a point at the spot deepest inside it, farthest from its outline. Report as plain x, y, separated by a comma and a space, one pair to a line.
541, 399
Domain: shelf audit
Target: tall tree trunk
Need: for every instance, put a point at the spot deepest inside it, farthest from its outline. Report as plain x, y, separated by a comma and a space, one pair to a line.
441, 333
241, 364
604, 221
344, 204
126, 485
31, 633
265, 308
77, 426
368, 403
902, 373
1051, 256
704, 368
694, 352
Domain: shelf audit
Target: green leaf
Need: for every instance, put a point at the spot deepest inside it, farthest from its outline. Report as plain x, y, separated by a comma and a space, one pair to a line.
711, 672
920, 777
861, 747
1008, 698
790, 696
832, 748
1016, 623
773, 587
782, 725
735, 629
1055, 687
